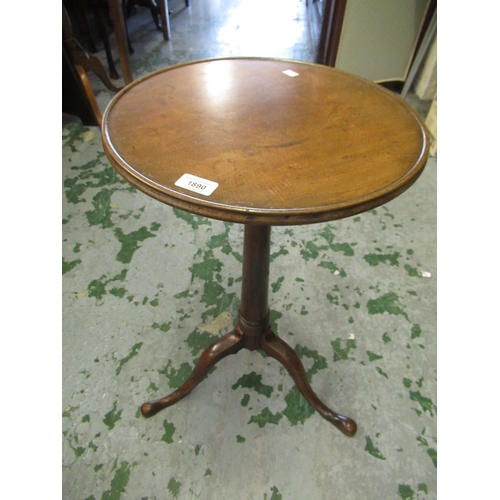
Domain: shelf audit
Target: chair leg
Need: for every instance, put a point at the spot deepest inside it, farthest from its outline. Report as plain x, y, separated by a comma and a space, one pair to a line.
90, 94
153, 8
165, 20
99, 17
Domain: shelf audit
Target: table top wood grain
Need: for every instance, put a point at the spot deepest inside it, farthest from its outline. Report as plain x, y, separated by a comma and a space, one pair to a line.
320, 145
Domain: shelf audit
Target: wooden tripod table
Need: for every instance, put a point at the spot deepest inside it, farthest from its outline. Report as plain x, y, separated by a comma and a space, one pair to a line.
262, 142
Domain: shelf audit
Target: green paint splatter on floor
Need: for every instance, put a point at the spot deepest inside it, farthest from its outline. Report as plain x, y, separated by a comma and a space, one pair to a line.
310, 251
405, 492
388, 303
276, 495
220, 241
78, 451
240, 439
67, 411
112, 417
195, 221
118, 483
297, 408
176, 377
372, 449
214, 295
328, 235
266, 417
333, 299
319, 362
277, 284
94, 174
182, 295
372, 356
423, 487
75, 134
375, 259
341, 348
131, 354
197, 341
333, 268
274, 316
101, 214
433, 455
245, 400
174, 487
68, 266
425, 403
415, 331
411, 270
345, 248
130, 242
74, 190
97, 288
164, 327
253, 381
169, 432
118, 292
275, 255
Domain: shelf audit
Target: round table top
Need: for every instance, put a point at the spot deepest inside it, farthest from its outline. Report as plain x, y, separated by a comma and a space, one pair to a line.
264, 141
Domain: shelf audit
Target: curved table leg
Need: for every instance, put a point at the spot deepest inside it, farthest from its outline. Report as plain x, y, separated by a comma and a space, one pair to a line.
230, 343
278, 349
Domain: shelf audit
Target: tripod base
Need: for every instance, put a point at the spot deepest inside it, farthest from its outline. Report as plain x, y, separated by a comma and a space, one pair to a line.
252, 332
274, 347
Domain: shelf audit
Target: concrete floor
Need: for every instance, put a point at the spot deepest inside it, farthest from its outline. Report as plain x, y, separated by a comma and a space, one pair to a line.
147, 287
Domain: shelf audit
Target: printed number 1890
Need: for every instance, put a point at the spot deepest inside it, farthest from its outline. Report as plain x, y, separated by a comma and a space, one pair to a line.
197, 184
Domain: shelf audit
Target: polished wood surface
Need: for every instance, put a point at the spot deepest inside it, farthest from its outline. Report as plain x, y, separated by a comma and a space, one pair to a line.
284, 150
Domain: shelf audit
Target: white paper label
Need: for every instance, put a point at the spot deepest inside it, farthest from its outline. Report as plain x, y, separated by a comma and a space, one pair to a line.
197, 184
289, 72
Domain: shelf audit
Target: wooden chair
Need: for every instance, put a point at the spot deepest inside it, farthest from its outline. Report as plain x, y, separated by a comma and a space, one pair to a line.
84, 62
